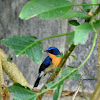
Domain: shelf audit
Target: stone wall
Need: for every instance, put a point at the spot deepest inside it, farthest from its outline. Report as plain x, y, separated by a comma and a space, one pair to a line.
11, 24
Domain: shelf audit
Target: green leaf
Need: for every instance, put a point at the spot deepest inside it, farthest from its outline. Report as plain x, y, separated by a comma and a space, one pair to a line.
58, 91
74, 22
74, 58
96, 24
25, 44
74, 13
66, 71
21, 93
49, 84
70, 38
86, 8
55, 13
37, 7
55, 96
61, 54
81, 33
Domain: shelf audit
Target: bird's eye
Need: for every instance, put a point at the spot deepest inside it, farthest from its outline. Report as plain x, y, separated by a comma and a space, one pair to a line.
52, 50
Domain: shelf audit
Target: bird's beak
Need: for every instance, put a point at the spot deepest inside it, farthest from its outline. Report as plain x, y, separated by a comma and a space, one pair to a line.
46, 51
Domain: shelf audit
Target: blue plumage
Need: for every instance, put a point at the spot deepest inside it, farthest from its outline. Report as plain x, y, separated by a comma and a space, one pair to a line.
47, 62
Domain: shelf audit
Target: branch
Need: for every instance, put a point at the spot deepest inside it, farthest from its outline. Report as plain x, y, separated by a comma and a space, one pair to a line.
1, 80
96, 93
12, 71
66, 93
4, 93
54, 74
1, 74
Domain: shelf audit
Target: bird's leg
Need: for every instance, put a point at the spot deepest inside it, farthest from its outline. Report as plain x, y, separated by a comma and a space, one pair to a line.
49, 69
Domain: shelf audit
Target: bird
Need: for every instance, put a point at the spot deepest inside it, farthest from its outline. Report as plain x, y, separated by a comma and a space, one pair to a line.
52, 60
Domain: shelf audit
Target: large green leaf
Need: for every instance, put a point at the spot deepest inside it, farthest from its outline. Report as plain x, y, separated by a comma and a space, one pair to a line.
21, 93
81, 33
36, 7
58, 91
55, 13
66, 71
25, 44
97, 24
74, 13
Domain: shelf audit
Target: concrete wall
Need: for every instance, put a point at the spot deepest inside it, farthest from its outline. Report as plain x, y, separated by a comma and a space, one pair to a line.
10, 25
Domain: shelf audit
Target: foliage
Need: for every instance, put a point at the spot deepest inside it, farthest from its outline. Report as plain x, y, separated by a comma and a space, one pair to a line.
73, 22
96, 24
32, 46
58, 91
81, 33
25, 45
21, 92
66, 71
45, 8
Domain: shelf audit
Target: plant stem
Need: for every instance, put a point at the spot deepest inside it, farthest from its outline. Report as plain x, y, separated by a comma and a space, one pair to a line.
61, 64
83, 92
85, 4
94, 41
53, 36
91, 79
39, 40
96, 93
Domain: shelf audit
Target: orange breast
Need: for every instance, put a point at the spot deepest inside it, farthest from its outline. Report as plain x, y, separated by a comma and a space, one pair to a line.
55, 59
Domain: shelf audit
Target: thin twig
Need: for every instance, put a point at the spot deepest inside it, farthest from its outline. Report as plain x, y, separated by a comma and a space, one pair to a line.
73, 98
83, 92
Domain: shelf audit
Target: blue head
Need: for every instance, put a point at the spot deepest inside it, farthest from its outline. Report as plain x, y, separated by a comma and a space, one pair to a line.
53, 50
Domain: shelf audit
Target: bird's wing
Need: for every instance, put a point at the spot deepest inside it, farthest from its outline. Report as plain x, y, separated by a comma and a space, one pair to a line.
47, 62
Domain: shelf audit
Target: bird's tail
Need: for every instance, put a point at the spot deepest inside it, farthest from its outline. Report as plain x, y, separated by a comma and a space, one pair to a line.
37, 81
